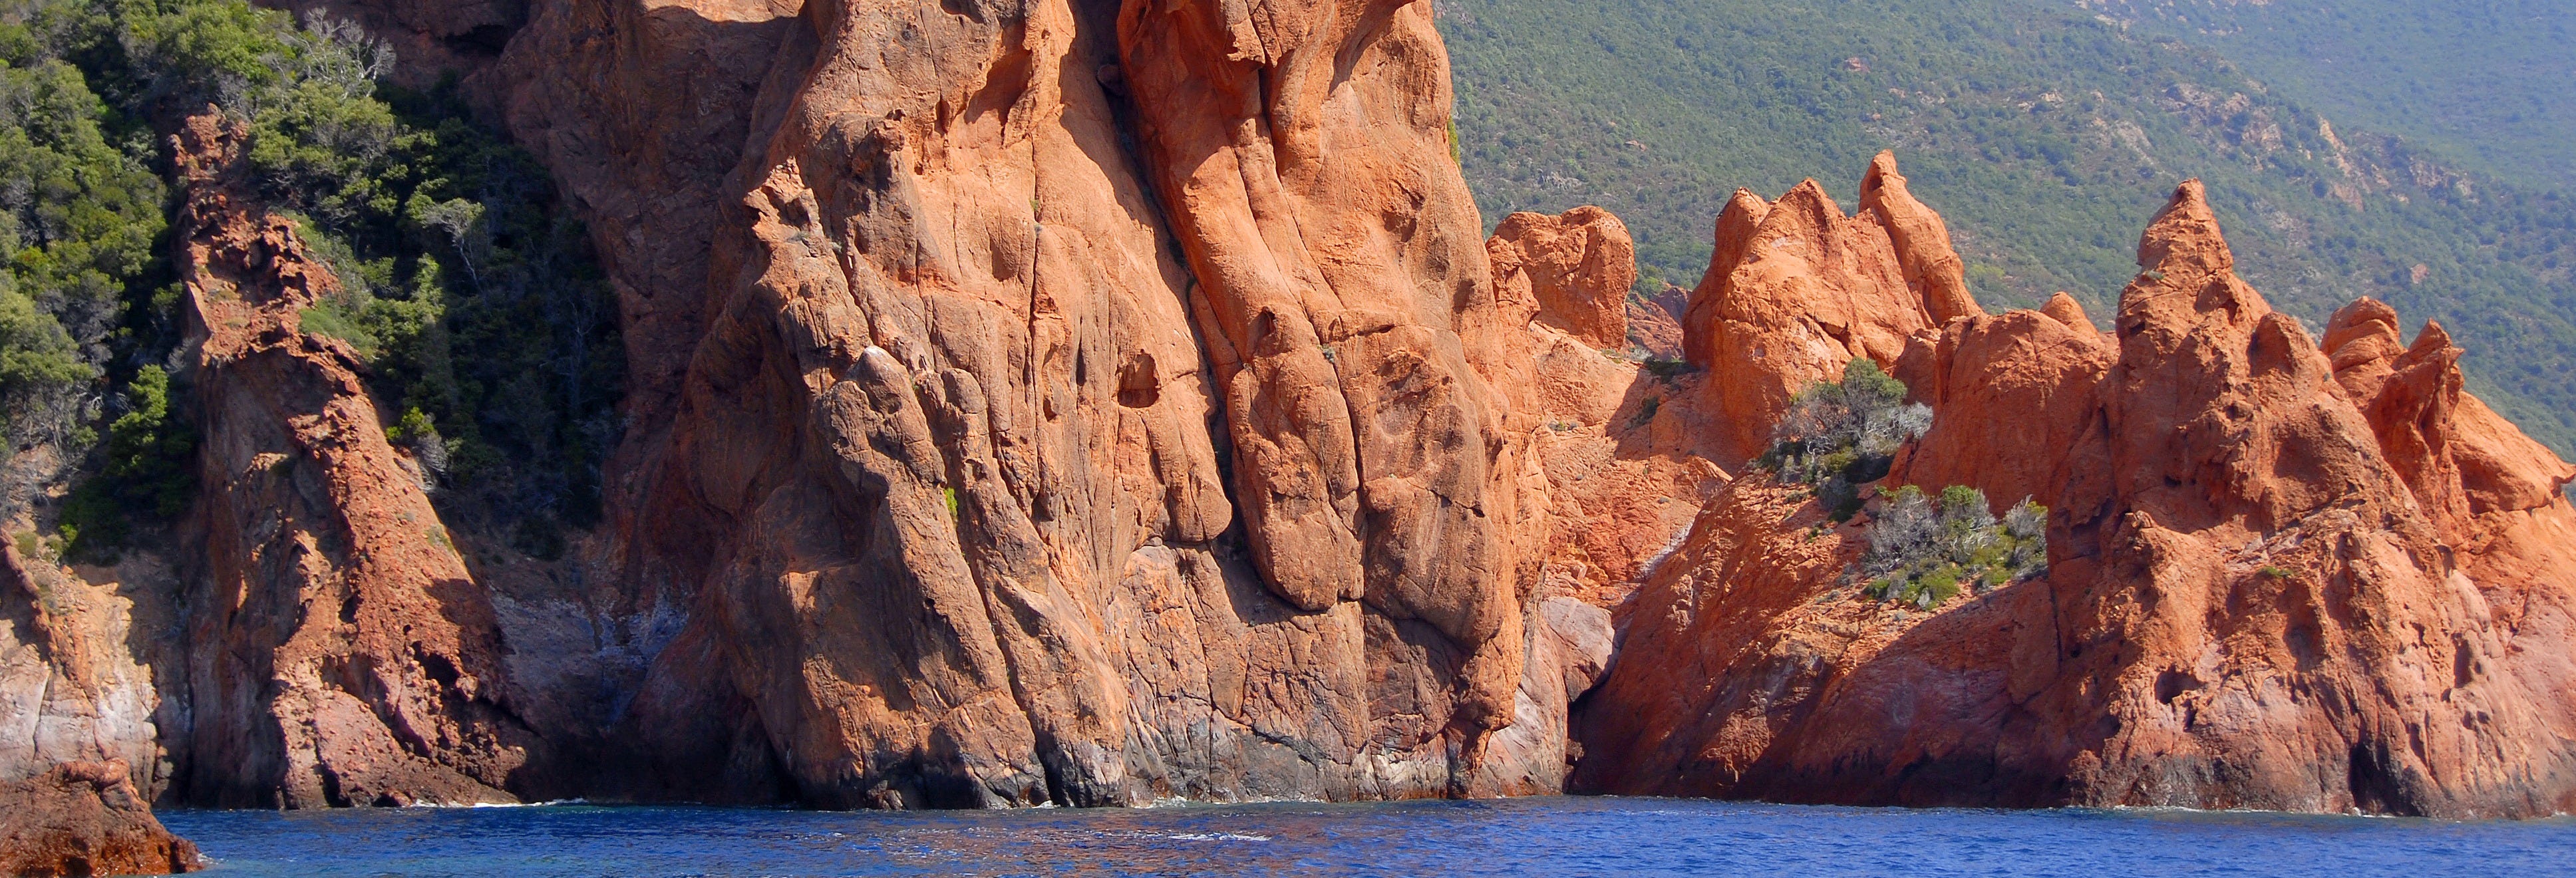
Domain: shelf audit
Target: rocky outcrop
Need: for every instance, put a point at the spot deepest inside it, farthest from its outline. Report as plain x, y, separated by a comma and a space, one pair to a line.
85, 818
1654, 330
1348, 310
2010, 395
942, 500
77, 682
1576, 267
1796, 288
2065, 310
340, 652
2246, 605
2459, 458
1932, 270
1616, 442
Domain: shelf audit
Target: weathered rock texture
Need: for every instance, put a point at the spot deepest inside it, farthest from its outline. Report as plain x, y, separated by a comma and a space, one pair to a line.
85, 818
75, 678
928, 497
1654, 330
1611, 440
1577, 265
340, 653
2277, 580
1093, 402
1617, 443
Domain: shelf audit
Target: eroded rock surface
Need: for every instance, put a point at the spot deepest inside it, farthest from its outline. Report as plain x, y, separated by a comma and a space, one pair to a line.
76, 676
340, 652
1092, 403
944, 490
1796, 288
1577, 266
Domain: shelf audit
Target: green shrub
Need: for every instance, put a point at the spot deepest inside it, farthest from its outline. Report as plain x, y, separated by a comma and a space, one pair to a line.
331, 318
148, 475
1665, 369
1840, 435
1646, 411
41, 372
2047, 133
1924, 551
475, 303
477, 306
78, 220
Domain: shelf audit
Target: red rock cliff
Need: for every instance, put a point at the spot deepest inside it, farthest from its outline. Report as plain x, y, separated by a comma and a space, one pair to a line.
85, 818
340, 653
1006, 445
2267, 587
1092, 402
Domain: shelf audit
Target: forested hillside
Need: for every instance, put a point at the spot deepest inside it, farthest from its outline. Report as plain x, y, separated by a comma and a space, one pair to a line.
2486, 83
2046, 134
473, 303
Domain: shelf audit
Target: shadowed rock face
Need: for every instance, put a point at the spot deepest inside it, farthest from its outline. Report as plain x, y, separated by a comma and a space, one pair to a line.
85, 818
77, 668
2266, 586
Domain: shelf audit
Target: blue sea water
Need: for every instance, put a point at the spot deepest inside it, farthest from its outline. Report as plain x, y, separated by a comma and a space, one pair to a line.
1551, 836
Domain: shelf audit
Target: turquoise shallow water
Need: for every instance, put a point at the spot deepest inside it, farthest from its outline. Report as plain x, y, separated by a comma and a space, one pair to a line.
1557, 836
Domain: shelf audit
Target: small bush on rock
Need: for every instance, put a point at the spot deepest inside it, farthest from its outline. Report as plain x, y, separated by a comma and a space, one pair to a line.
1841, 435
1924, 551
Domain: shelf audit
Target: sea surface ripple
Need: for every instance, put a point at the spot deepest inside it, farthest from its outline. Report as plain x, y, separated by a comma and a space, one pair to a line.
1545, 836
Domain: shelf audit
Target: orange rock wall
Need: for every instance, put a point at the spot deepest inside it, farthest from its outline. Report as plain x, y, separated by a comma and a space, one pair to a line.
86, 818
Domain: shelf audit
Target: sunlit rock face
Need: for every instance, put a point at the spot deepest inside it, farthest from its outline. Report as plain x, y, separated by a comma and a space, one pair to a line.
1096, 403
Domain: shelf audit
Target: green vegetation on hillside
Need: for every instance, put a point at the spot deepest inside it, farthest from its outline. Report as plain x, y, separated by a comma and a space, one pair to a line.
2047, 137
79, 217
2485, 83
475, 303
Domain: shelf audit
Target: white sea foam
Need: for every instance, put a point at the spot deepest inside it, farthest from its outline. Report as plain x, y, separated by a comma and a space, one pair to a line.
545, 804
